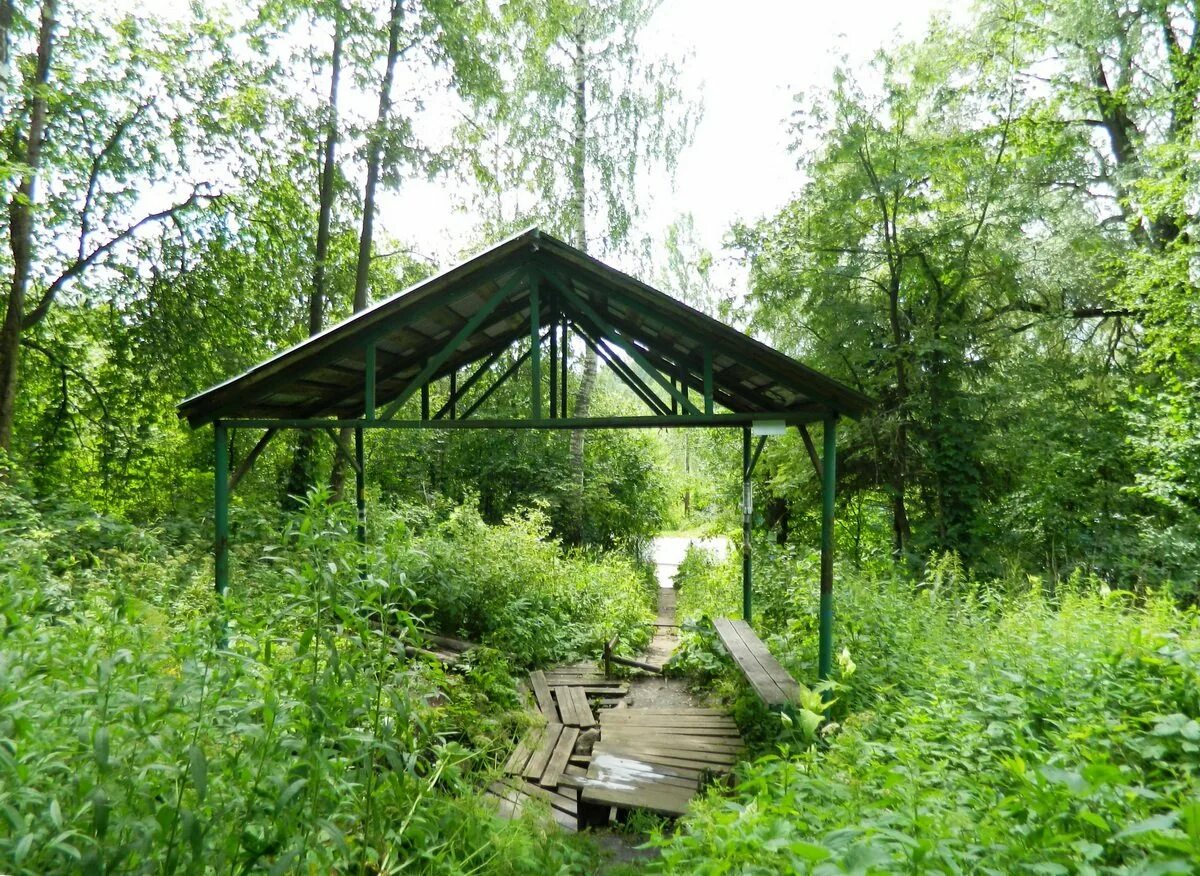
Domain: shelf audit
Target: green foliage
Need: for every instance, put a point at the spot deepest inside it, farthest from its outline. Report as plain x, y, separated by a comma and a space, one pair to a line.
980, 733
144, 725
514, 589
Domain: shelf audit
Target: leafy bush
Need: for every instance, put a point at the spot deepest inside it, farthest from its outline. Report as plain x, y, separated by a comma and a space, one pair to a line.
280, 731
984, 730
515, 589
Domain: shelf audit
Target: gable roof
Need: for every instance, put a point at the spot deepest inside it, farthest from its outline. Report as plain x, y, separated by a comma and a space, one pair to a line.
485, 304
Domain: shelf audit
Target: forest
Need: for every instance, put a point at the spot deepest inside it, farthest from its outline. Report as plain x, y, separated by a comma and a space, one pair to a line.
989, 233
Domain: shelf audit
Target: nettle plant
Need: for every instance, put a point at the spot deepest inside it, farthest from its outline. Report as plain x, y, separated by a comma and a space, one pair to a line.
282, 730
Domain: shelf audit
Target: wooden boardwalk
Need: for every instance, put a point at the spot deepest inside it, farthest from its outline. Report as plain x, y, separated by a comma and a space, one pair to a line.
593, 756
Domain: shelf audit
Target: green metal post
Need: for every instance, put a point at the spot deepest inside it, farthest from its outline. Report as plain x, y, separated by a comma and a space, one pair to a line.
369, 383
708, 382
553, 370
747, 511
221, 516
562, 378
424, 401
535, 339
453, 393
360, 486
828, 485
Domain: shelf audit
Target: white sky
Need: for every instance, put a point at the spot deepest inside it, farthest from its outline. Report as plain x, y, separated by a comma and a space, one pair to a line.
745, 67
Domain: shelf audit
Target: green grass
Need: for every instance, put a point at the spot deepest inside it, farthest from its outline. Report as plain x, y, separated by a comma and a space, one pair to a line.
977, 728
145, 727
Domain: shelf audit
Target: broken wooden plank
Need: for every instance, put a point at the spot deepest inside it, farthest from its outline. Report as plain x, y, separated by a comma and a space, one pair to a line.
582, 710
529, 743
538, 760
558, 760
541, 693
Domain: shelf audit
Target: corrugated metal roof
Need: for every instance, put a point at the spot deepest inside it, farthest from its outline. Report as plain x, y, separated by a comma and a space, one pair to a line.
324, 376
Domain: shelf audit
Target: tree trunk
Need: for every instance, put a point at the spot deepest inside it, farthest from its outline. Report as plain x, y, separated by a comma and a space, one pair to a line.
20, 230
901, 531
337, 480
300, 478
583, 395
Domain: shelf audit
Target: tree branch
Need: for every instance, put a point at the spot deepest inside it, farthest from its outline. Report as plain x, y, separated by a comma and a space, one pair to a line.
80, 265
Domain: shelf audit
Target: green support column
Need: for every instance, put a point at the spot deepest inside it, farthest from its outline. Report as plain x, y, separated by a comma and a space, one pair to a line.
562, 364
221, 516
747, 511
360, 485
369, 383
535, 336
708, 381
553, 370
828, 486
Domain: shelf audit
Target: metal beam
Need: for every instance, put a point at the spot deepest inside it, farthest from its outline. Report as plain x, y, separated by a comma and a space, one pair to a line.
747, 512
247, 463
342, 450
535, 347
369, 381
633, 422
508, 372
828, 486
470, 382
221, 509
465, 331
566, 347
360, 486
762, 439
812, 452
628, 376
708, 379
610, 333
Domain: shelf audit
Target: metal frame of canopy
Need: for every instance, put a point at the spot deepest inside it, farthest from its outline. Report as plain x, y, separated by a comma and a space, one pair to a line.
363, 372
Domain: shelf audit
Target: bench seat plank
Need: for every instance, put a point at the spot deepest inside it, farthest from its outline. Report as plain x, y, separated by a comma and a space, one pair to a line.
766, 675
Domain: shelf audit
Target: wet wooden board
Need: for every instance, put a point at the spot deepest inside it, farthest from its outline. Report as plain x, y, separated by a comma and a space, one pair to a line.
630, 783
541, 756
772, 683
510, 797
618, 717
558, 760
678, 740
515, 765
573, 706
716, 759
541, 693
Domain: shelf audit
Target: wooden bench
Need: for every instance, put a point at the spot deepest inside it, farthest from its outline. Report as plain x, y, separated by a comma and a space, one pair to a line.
770, 680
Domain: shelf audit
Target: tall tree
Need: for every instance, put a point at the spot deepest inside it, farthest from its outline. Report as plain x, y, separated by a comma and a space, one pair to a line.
107, 107
298, 478
583, 114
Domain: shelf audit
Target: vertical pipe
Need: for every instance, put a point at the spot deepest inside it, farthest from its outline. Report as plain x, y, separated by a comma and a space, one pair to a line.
554, 371
536, 349
424, 402
562, 380
369, 383
221, 516
828, 485
747, 511
360, 485
708, 381
453, 393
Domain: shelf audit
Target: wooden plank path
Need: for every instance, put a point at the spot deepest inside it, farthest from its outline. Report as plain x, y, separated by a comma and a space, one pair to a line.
766, 675
652, 759
655, 759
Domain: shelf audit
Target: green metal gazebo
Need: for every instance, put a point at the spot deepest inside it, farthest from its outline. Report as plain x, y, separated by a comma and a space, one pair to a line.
534, 293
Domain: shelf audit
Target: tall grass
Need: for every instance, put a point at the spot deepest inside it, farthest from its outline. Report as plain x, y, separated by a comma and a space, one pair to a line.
986, 727
145, 727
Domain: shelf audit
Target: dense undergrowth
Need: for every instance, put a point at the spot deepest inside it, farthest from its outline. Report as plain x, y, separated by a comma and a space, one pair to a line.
146, 727
977, 727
